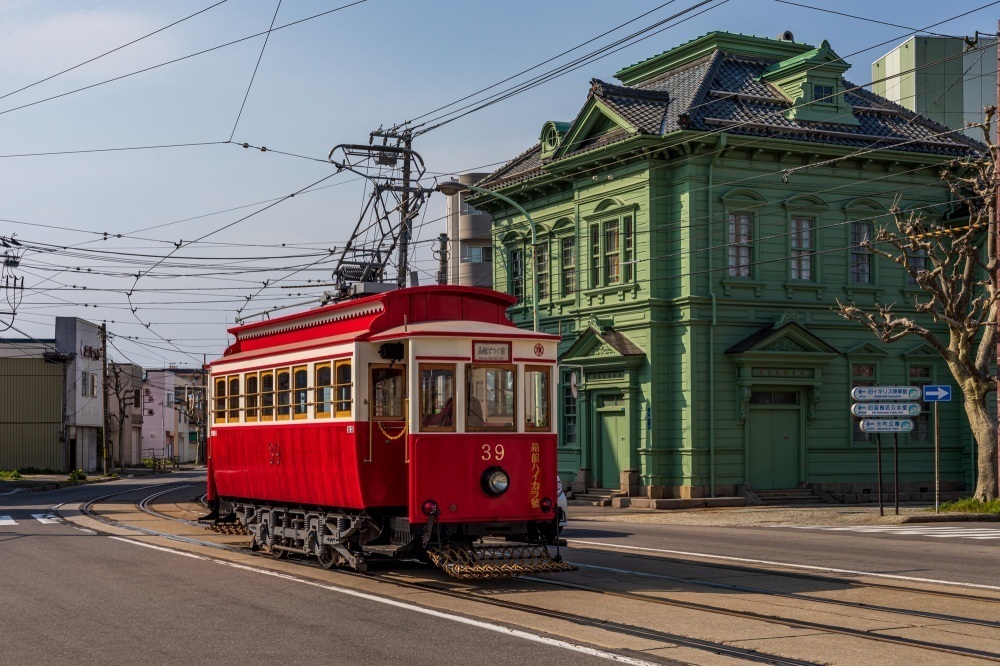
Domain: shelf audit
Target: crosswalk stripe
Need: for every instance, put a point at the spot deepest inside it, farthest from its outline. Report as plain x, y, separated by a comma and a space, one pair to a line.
46, 518
935, 531
7, 520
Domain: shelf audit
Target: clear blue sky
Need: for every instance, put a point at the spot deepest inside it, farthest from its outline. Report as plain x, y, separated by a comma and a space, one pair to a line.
325, 81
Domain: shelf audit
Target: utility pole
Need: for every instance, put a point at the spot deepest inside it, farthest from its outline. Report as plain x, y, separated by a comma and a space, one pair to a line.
994, 245
406, 227
443, 259
104, 395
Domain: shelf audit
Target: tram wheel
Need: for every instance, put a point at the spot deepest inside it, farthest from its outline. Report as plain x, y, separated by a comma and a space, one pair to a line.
279, 553
327, 557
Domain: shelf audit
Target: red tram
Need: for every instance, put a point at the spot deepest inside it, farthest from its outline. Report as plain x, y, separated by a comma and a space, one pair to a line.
410, 423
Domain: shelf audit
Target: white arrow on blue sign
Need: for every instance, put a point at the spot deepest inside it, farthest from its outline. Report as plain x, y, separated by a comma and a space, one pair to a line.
937, 393
870, 409
887, 425
886, 393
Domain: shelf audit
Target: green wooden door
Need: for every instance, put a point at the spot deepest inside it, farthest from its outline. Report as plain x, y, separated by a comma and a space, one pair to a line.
614, 440
774, 449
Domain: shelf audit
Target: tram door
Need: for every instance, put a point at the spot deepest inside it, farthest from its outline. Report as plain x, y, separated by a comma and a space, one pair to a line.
387, 398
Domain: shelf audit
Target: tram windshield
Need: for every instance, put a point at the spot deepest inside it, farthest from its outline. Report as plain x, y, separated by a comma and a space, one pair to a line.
437, 397
491, 397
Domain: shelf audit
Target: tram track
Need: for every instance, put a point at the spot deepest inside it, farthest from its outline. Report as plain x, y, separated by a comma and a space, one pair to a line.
850, 582
145, 505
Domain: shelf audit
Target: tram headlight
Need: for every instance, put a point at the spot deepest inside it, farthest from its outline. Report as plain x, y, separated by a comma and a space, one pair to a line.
495, 481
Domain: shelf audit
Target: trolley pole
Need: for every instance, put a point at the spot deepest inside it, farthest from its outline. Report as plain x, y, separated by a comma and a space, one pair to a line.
104, 397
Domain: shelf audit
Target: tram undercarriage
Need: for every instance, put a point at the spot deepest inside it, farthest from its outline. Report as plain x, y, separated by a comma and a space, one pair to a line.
352, 539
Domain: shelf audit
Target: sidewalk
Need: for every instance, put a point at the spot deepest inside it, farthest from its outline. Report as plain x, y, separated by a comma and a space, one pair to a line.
775, 516
36, 483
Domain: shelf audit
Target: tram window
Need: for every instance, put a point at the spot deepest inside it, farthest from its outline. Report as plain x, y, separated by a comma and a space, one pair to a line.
537, 411
388, 392
284, 382
267, 396
300, 396
251, 387
437, 397
220, 400
491, 392
323, 390
234, 399
343, 389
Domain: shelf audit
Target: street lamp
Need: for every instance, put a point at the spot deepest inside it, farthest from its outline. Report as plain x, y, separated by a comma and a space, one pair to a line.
453, 187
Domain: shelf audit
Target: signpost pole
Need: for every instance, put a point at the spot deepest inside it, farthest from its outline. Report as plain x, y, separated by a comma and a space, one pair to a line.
895, 471
878, 448
937, 462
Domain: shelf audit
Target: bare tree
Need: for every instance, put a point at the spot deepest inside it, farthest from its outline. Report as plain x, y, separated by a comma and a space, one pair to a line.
120, 389
958, 277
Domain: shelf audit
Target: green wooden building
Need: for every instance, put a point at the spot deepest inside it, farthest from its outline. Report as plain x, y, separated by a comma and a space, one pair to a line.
695, 224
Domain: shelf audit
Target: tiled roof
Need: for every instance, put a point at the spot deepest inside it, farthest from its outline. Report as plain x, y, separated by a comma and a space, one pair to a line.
724, 91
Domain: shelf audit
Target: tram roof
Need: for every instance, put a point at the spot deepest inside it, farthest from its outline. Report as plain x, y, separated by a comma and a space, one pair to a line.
461, 329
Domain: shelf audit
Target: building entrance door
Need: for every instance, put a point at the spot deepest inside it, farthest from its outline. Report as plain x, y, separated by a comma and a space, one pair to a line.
613, 431
774, 447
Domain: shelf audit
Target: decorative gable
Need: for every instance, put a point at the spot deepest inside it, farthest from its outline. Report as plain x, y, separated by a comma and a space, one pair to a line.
595, 121
599, 345
813, 82
786, 337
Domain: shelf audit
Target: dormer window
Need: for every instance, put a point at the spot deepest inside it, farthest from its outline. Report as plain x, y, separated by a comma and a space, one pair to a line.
551, 135
813, 83
823, 93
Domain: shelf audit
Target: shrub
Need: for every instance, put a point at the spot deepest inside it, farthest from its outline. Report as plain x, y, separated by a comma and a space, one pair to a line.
77, 475
971, 505
12, 475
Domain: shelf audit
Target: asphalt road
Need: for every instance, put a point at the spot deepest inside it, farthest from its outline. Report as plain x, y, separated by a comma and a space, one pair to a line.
67, 596
894, 552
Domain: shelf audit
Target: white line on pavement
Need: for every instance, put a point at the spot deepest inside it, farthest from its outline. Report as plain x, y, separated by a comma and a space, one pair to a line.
46, 518
7, 520
789, 564
573, 647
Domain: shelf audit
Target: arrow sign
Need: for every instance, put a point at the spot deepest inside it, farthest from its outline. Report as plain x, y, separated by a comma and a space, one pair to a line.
885, 409
886, 393
887, 425
937, 393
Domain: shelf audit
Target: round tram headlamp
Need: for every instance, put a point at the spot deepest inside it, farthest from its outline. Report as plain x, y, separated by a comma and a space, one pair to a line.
429, 507
495, 481
546, 505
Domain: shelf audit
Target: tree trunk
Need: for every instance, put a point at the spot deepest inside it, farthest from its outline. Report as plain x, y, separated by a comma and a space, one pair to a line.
984, 428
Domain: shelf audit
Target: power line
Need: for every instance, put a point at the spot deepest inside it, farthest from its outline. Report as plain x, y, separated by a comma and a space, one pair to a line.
254, 75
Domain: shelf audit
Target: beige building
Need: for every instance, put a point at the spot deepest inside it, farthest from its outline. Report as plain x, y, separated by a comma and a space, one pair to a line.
166, 421
470, 251
125, 407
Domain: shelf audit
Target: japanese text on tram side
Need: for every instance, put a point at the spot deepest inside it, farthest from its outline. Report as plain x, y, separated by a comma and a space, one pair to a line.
536, 471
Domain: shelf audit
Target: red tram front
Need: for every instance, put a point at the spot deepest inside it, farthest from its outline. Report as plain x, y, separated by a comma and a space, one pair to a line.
411, 423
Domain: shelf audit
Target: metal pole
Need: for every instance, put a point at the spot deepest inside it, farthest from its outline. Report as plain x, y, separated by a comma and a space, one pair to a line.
443, 259
878, 448
895, 471
995, 238
104, 397
937, 462
406, 227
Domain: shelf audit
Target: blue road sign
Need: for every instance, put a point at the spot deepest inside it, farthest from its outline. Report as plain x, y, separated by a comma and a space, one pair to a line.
937, 393
887, 425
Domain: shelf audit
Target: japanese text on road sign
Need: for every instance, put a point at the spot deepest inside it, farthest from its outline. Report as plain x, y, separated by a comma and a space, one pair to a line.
885, 409
886, 393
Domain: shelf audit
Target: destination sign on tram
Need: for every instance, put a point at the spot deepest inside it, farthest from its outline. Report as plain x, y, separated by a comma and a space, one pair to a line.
885, 409
886, 425
886, 393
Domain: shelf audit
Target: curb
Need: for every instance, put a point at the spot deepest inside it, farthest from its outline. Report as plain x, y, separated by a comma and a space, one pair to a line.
954, 518
55, 485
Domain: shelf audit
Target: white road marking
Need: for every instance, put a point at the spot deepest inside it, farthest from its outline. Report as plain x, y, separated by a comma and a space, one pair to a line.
934, 531
788, 564
573, 647
46, 518
7, 520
